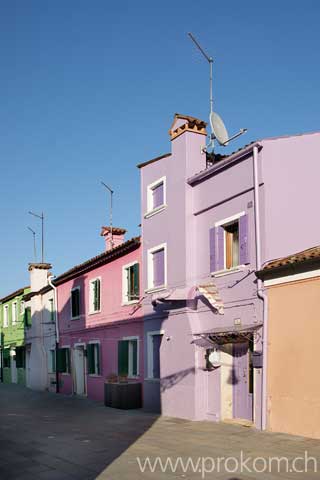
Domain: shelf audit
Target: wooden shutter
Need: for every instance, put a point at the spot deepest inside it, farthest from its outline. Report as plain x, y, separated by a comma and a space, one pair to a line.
75, 301
220, 250
96, 294
243, 240
61, 360
123, 357
90, 358
136, 287
134, 357
212, 246
27, 317
97, 345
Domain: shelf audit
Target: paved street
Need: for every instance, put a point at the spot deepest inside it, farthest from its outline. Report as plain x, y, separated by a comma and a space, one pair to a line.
47, 436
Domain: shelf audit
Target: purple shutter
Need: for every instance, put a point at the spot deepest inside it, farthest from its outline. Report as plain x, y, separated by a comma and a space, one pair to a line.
158, 268
157, 195
212, 243
243, 240
156, 342
220, 254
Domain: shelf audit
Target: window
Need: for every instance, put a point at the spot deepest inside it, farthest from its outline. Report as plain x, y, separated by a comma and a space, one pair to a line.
75, 302
229, 243
27, 317
153, 347
157, 268
14, 313
156, 196
63, 360
95, 295
6, 316
6, 358
51, 310
20, 357
130, 283
21, 307
93, 355
52, 361
128, 357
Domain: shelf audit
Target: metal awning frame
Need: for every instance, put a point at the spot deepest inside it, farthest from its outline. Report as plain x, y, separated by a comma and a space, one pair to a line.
244, 334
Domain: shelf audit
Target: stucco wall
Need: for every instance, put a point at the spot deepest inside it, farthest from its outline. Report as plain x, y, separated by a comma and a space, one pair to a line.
293, 371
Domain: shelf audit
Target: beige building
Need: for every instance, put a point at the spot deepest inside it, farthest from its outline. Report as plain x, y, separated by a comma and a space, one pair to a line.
293, 381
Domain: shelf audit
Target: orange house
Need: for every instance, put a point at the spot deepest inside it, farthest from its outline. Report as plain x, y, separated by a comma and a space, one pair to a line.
293, 386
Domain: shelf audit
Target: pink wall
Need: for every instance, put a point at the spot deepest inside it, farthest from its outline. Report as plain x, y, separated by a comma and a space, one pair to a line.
108, 326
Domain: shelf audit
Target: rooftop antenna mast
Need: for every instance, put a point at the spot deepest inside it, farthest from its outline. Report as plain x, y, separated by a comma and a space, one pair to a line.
41, 217
218, 129
34, 243
111, 207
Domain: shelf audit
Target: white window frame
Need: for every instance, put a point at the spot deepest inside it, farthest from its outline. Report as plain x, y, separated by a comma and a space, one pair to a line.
6, 316
14, 313
52, 351
91, 303
130, 366
96, 342
73, 289
150, 210
150, 353
223, 223
125, 268
150, 252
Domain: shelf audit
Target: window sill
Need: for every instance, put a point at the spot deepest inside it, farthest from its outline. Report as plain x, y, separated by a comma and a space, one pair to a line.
64, 373
76, 318
93, 313
133, 377
152, 380
94, 375
156, 289
225, 271
132, 302
155, 211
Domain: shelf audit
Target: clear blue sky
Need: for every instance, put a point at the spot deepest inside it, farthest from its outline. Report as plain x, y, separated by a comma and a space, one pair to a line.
89, 88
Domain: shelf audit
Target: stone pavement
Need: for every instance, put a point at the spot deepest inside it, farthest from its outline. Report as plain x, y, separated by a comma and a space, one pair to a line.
54, 437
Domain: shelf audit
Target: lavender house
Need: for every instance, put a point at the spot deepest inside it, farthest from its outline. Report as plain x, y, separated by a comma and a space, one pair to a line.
208, 222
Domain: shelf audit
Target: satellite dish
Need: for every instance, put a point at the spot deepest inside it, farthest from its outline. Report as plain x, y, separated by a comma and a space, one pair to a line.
218, 129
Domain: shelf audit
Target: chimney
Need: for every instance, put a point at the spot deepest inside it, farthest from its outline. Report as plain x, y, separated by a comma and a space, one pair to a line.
188, 137
116, 239
38, 275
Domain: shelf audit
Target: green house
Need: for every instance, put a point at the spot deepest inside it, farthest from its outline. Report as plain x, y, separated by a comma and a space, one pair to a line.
12, 328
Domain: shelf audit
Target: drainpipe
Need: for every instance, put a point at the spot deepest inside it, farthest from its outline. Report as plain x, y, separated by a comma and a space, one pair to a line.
55, 300
260, 291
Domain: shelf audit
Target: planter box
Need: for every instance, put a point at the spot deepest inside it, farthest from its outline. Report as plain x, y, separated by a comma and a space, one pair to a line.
123, 395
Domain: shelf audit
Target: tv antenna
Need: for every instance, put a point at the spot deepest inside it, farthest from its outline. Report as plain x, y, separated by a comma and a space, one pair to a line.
111, 206
218, 129
34, 243
41, 217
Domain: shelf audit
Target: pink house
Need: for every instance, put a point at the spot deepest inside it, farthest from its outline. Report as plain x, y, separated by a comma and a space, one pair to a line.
100, 319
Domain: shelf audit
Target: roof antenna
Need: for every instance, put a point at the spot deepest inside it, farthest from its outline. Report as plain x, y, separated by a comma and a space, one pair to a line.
34, 243
111, 204
218, 129
42, 232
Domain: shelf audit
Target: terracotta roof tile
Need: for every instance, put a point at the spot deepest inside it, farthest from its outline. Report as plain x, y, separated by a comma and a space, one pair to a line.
300, 257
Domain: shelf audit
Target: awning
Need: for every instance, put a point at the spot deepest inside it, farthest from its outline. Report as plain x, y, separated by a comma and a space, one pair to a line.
211, 293
175, 294
223, 335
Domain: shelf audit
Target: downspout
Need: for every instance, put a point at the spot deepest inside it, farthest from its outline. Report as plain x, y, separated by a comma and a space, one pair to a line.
55, 300
260, 291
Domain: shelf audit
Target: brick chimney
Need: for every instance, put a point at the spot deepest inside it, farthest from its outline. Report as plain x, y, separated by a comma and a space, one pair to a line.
114, 240
188, 138
38, 275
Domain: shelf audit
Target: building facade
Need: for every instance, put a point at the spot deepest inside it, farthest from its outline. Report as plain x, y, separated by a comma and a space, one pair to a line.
208, 223
293, 285
12, 323
100, 321
40, 329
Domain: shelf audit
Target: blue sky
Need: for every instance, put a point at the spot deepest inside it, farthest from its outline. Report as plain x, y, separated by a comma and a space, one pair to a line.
89, 89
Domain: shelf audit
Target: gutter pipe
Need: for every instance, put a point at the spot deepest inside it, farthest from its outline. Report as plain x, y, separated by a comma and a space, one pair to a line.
55, 299
260, 290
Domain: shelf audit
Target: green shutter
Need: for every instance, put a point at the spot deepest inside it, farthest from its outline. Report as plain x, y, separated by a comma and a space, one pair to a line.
123, 357
134, 357
96, 295
98, 372
61, 360
20, 357
27, 317
136, 281
75, 302
90, 357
